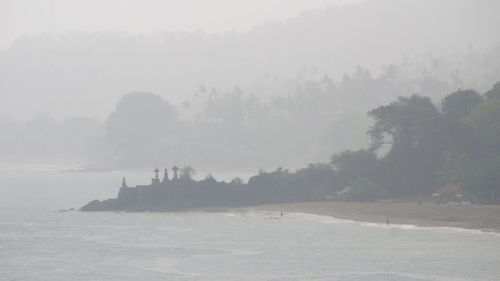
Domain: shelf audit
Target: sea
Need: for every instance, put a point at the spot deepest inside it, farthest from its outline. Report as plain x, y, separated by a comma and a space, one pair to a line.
40, 240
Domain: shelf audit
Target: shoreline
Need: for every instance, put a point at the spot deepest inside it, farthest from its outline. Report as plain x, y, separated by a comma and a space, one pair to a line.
479, 217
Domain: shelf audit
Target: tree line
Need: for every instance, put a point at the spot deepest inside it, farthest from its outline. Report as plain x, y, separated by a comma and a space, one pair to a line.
416, 147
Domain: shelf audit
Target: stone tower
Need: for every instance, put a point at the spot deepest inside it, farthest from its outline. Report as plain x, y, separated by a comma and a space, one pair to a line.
175, 169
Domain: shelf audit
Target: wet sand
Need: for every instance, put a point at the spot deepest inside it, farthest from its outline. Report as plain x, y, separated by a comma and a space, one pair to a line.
484, 217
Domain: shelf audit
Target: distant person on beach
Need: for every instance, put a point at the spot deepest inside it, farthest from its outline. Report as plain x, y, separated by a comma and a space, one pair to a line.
387, 221
282, 214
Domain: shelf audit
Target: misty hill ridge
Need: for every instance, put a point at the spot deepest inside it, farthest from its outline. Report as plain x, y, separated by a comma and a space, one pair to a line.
77, 68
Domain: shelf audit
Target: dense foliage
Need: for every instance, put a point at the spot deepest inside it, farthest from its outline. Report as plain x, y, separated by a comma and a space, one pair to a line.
427, 148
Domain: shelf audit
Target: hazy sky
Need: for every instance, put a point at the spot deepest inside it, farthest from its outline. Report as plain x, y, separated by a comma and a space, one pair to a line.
29, 17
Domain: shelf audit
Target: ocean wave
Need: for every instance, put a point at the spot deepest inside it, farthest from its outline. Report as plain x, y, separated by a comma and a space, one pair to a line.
438, 228
333, 220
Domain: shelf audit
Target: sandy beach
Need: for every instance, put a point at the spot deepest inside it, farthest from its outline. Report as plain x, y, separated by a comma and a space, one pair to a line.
484, 217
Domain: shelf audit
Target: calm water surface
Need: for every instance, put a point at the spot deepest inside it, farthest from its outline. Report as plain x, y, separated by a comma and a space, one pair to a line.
38, 243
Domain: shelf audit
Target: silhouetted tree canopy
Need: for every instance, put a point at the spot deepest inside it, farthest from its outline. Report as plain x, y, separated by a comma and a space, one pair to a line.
405, 123
460, 103
484, 121
187, 173
494, 93
140, 115
139, 127
354, 164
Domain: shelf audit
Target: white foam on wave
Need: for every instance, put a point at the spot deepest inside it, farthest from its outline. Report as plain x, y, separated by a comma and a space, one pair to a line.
333, 220
393, 226
258, 213
413, 227
316, 217
311, 217
435, 228
467, 230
